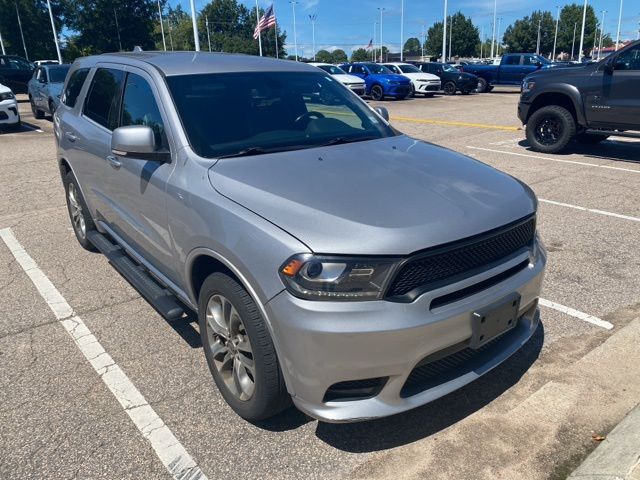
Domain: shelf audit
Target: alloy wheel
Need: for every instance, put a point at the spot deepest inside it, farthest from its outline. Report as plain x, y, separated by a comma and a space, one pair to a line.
548, 131
230, 347
77, 216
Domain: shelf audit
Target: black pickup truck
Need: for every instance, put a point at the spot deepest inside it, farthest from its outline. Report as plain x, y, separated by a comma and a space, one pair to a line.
586, 103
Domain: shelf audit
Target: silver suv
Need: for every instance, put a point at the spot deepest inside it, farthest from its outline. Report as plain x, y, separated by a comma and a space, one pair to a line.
332, 261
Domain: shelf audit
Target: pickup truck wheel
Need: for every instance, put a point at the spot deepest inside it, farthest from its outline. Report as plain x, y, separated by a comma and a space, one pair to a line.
377, 93
78, 212
550, 129
588, 139
482, 85
239, 350
449, 88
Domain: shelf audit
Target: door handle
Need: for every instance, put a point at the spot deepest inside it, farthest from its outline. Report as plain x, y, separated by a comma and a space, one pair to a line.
70, 136
114, 162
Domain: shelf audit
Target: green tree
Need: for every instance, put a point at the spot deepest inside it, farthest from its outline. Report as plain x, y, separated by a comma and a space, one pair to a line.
465, 37
412, 46
360, 55
323, 56
570, 17
36, 26
522, 36
108, 25
339, 56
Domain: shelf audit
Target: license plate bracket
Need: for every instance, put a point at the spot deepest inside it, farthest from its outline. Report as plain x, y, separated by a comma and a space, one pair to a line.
493, 320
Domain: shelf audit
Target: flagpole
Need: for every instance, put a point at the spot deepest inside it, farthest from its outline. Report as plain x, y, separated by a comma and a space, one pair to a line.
196, 38
258, 27
55, 34
24, 45
275, 27
164, 42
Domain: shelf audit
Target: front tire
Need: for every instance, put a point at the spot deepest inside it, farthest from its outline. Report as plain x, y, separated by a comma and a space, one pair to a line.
550, 129
81, 220
483, 86
38, 114
377, 93
239, 350
449, 88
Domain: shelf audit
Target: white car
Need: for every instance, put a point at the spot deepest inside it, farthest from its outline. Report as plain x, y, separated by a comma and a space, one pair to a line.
425, 83
355, 84
9, 116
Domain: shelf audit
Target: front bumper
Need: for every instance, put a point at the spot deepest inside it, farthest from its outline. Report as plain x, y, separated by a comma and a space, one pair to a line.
427, 87
323, 343
398, 90
358, 89
523, 111
9, 112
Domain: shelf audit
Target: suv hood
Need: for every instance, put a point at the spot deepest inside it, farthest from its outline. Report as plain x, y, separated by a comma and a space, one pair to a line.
391, 196
421, 76
392, 77
348, 79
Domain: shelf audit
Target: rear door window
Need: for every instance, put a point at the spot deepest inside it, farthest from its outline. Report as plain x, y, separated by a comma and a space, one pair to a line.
512, 60
103, 100
73, 87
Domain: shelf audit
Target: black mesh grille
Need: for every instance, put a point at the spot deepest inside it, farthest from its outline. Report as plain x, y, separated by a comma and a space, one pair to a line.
355, 389
438, 266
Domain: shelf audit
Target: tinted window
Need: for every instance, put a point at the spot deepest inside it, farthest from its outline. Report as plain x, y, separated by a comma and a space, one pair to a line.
409, 69
357, 69
139, 107
102, 102
512, 60
224, 114
629, 60
332, 69
41, 74
378, 69
73, 87
18, 63
58, 74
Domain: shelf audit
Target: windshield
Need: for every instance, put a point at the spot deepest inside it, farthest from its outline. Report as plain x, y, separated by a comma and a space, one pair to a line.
408, 69
58, 74
332, 69
262, 112
375, 68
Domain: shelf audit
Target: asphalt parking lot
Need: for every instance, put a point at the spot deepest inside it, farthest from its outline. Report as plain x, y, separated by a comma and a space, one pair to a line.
531, 418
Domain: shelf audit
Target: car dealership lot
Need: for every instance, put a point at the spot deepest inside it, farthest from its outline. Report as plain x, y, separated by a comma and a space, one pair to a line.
530, 418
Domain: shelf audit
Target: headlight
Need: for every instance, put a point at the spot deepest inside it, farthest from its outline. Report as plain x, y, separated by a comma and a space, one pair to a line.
423, 80
321, 277
527, 86
7, 96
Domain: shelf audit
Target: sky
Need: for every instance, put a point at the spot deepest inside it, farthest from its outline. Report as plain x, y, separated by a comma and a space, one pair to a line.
349, 24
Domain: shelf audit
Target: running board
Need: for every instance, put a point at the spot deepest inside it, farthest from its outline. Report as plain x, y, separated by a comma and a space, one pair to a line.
593, 131
158, 296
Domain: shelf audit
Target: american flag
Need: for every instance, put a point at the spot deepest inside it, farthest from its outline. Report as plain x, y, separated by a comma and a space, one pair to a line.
370, 44
267, 21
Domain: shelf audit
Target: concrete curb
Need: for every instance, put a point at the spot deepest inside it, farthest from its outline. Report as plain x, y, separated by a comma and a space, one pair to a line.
618, 456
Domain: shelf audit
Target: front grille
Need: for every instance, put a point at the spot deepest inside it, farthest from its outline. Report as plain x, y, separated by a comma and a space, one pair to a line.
431, 269
428, 374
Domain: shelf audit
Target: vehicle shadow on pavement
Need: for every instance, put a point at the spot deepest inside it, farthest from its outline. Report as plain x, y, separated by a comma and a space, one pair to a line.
186, 329
429, 419
607, 150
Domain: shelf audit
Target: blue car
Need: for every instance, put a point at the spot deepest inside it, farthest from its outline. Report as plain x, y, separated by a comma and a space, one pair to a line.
379, 81
45, 88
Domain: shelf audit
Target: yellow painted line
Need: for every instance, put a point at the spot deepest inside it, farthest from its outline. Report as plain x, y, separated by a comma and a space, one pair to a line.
456, 124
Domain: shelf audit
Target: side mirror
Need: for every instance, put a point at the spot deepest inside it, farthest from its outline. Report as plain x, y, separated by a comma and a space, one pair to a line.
133, 140
383, 112
538, 64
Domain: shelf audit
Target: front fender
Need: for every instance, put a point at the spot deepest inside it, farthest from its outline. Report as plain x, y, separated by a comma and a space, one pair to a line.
568, 90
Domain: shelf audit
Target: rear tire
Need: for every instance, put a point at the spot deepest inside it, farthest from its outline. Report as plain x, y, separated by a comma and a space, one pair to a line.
588, 139
38, 114
483, 86
81, 220
239, 350
550, 129
377, 93
449, 88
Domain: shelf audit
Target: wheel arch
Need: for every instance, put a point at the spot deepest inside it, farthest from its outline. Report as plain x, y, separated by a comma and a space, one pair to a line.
566, 96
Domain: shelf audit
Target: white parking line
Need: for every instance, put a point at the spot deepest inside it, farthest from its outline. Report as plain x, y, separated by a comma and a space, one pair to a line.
576, 313
592, 210
170, 451
574, 162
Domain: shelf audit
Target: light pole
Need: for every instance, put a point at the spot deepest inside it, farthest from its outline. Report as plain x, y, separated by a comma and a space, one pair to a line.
498, 42
382, 9
450, 35
539, 30
164, 42
421, 44
2, 45
374, 52
584, 19
313, 34
619, 21
481, 42
115, 14
555, 38
258, 28
601, 32
206, 21
402, 30
24, 45
573, 44
493, 35
295, 32
55, 34
196, 39
444, 34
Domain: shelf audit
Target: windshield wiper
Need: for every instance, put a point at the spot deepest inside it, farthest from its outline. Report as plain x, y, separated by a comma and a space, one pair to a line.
343, 140
247, 152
